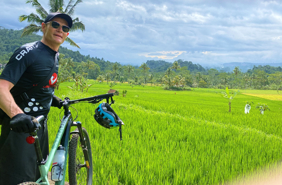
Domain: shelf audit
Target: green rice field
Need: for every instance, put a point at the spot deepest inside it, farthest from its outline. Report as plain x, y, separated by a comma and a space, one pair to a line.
178, 137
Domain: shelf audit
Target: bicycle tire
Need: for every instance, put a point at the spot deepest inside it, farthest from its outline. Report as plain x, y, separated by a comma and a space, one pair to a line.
79, 174
28, 183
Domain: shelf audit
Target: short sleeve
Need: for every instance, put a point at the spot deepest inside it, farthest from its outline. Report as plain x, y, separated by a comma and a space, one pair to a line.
16, 66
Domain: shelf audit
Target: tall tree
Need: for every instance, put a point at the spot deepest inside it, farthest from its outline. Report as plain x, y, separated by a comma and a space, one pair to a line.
55, 6
236, 72
88, 66
107, 77
145, 68
115, 68
151, 76
175, 65
168, 74
129, 69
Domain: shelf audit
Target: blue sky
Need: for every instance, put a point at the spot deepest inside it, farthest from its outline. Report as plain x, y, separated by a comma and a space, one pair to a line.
207, 32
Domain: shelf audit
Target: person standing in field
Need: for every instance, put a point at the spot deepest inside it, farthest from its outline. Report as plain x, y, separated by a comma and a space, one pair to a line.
26, 91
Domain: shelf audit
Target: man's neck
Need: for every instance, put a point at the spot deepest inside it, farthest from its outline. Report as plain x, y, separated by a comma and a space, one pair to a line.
54, 47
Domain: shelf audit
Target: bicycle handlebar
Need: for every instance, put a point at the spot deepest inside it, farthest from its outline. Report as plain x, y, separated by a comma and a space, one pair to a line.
93, 99
39, 118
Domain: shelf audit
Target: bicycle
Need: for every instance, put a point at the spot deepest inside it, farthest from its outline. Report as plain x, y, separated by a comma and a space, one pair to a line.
80, 161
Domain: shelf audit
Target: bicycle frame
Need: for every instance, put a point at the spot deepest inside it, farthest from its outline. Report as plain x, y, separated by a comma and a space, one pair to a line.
44, 166
62, 138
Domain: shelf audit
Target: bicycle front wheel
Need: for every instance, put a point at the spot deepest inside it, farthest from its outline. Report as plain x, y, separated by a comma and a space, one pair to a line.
79, 173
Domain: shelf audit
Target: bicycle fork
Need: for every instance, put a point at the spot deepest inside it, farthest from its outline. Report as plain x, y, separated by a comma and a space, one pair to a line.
82, 141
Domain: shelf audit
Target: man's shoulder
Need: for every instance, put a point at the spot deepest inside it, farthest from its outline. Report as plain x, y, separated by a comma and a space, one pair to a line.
26, 49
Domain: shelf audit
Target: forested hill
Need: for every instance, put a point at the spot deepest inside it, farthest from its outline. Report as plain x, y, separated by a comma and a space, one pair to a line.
10, 40
161, 65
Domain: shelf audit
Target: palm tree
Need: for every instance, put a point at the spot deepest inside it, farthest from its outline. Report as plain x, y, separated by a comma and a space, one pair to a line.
168, 73
115, 68
175, 65
107, 77
55, 6
236, 72
129, 69
151, 76
145, 68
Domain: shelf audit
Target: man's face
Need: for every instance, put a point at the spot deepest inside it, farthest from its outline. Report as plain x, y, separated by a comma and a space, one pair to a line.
55, 36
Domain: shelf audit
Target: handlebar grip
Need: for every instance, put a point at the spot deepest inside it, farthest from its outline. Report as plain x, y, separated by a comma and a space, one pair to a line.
39, 118
37, 121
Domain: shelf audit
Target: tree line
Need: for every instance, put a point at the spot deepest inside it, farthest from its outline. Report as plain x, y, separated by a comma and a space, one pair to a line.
178, 75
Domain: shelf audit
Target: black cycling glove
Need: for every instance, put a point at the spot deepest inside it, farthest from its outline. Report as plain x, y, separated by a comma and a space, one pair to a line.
57, 102
23, 123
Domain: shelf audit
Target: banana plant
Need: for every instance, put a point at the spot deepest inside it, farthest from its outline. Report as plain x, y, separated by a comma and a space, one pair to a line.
229, 96
262, 108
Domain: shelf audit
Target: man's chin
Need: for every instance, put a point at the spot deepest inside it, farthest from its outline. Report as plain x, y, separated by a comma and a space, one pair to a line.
59, 42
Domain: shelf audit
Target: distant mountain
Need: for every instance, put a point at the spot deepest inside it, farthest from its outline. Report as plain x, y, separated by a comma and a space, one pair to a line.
243, 66
158, 65
161, 65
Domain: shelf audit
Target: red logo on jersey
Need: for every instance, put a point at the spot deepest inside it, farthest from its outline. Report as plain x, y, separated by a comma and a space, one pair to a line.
53, 79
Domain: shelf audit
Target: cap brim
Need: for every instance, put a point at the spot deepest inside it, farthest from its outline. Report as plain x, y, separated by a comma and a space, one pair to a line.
66, 17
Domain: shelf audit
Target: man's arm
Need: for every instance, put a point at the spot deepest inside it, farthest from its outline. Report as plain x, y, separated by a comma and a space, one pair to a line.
7, 102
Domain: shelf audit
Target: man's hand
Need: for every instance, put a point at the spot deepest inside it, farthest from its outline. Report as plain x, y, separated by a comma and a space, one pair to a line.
23, 123
57, 102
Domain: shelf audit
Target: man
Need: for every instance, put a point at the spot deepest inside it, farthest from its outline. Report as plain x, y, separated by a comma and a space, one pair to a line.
27, 90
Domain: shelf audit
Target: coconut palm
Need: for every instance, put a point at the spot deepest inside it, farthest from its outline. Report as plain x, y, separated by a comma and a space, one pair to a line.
145, 68
55, 6
151, 76
175, 65
169, 73
115, 68
108, 77
130, 69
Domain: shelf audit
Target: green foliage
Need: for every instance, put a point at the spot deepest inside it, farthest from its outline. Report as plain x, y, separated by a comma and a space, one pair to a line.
230, 96
203, 84
267, 68
124, 92
100, 79
80, 84
161, 65
112, 84
262, 107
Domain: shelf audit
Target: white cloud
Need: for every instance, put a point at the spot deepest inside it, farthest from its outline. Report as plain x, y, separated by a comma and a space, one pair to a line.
201, 31
163, 54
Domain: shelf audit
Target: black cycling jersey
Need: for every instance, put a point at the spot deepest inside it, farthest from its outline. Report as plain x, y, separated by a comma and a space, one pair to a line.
30, 64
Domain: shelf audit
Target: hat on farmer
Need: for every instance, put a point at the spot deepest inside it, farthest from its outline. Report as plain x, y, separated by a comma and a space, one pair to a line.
51, 16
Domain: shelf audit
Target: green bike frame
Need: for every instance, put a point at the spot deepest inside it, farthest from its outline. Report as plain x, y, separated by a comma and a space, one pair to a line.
61, 138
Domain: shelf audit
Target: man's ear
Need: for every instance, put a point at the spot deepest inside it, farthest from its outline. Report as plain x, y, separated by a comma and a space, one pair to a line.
68, 34
43, 25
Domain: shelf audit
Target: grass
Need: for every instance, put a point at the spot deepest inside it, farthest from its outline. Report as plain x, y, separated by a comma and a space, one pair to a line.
178, 137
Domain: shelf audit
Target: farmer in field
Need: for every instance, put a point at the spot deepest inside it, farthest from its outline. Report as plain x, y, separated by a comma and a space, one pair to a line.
26, 91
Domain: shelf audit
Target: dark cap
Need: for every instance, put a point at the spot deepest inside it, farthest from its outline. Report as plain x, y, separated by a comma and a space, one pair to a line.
51, 16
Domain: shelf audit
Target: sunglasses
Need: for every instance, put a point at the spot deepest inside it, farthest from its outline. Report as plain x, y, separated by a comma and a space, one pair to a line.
56, 25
